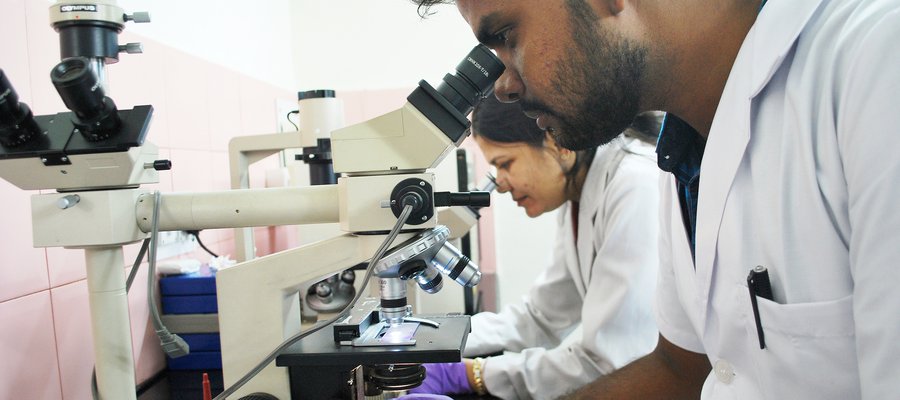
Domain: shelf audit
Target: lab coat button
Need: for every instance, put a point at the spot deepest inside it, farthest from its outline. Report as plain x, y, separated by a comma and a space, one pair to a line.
724, 371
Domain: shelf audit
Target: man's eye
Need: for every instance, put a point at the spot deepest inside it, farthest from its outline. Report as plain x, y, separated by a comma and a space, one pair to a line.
502, 36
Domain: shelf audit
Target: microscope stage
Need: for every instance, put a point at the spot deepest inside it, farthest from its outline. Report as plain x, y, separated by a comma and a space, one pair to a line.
442, 344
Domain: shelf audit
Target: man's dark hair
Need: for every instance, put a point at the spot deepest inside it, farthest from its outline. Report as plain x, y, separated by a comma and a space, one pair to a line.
425, 6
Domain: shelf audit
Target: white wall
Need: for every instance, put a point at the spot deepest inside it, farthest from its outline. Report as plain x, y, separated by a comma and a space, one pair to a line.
303, 44
250, 37
375, 44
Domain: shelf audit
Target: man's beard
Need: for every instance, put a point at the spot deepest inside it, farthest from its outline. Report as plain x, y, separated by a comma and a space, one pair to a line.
599, 85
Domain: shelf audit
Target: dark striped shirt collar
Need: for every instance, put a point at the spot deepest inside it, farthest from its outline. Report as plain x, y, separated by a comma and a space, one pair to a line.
679, 149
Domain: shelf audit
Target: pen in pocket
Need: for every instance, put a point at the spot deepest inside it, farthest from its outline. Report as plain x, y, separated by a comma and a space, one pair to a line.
759, 285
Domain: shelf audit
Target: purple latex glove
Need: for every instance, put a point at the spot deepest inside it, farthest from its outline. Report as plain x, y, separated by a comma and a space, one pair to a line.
444, 378
423, 396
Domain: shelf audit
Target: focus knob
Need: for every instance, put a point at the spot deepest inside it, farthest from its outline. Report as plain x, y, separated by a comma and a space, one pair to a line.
159, 165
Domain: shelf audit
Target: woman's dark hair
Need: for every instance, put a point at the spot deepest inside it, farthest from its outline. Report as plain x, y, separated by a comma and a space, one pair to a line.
506, 123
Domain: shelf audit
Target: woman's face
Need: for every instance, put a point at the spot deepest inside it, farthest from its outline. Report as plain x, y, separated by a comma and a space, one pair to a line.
534, 177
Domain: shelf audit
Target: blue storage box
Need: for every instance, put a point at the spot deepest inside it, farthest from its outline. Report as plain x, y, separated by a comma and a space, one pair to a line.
200, 304
202, 282
202, 341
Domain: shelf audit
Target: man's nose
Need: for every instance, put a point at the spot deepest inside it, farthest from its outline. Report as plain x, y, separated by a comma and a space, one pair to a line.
508, 88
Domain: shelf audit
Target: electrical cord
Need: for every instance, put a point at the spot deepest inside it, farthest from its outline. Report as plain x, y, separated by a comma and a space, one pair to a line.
172, 344
137, 264
196, 235
288, 116
401, 220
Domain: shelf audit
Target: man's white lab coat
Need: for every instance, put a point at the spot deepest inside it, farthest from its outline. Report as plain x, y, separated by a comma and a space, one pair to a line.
801, 174
606, 283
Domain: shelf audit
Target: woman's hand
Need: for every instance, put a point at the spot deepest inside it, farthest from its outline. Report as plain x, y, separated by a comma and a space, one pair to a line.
445, 378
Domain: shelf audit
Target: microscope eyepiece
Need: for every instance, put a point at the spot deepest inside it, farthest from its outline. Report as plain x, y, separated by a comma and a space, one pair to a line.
447, 106
473, 80
17, 125
81, 90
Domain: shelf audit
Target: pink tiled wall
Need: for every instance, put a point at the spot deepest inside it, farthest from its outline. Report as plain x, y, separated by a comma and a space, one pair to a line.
45, 335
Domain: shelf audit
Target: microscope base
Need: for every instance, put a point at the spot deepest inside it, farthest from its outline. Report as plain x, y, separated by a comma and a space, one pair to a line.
321, 369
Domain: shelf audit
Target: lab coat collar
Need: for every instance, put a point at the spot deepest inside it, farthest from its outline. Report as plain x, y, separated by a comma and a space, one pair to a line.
588, 203
588, 206
606, 162
572, 256
603, 167
777, 27
771, 38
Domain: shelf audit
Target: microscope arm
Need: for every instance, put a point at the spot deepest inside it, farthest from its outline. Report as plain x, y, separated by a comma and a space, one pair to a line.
246, 150
240, 208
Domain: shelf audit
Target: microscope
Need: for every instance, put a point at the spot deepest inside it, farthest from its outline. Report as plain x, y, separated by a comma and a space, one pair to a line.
96, 157
385, 188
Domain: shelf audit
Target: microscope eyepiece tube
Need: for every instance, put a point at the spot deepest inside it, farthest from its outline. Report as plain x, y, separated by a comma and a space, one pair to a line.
473, 80
17, 124
81, 90
447, 106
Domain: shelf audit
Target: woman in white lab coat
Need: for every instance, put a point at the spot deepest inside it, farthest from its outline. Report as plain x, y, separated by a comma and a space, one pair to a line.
589, 312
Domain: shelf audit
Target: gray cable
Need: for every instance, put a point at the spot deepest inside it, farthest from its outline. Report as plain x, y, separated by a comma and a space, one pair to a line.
151, 297
137, 264
401, 220
173, 345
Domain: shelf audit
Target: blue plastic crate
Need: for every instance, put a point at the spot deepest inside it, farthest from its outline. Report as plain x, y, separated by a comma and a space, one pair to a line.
201, 304
202, 282
202, 341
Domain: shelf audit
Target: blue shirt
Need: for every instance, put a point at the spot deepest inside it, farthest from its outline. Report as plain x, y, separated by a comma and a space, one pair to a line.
680, 151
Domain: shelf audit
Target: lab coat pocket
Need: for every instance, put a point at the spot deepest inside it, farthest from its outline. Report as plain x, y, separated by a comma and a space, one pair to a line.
810, 349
